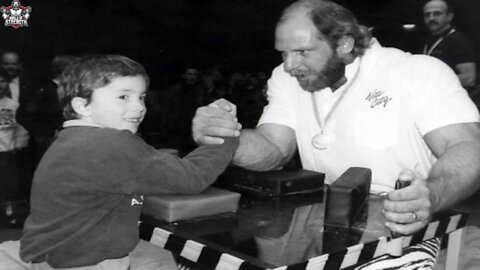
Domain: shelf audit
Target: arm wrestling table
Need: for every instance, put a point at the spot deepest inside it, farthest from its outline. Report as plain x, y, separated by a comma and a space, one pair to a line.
288, 233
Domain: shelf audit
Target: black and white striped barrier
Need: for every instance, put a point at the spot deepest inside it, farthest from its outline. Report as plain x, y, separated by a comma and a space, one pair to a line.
212, 258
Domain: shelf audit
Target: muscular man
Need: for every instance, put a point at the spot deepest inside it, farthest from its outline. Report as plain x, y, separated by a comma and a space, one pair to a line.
343, 100
447, 44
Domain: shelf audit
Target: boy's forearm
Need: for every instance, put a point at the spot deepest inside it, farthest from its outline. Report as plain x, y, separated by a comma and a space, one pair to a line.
193, 173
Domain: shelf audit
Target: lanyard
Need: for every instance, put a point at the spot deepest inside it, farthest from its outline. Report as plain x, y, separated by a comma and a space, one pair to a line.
437, 42
323, 124
348, 84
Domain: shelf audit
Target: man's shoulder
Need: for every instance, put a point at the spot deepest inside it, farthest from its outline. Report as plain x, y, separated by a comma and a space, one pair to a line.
458, 43
396, 58
405, 66
457, 36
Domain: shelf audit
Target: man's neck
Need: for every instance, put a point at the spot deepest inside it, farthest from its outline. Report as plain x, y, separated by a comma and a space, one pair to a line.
441, 31
338, 84
343, 80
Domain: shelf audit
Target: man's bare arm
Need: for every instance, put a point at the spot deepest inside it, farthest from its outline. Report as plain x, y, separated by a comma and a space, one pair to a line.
456, 174
267, 147
454, 177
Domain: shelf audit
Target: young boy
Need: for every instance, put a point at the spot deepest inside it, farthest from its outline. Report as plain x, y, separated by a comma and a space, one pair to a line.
88, 189
12, 137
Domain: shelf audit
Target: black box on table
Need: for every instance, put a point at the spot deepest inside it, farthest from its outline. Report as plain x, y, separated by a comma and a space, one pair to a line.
347, 197
271, 183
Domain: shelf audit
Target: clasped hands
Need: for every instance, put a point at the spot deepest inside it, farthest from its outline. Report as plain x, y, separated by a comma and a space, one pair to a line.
218, 119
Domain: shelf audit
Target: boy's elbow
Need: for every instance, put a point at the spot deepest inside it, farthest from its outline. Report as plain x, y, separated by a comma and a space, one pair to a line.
194, 183
194, 189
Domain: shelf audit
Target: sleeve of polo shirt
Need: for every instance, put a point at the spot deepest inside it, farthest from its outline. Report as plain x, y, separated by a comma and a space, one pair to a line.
439, 99
279, 108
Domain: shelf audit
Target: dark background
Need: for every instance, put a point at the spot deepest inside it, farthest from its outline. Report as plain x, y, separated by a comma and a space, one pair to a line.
165, 34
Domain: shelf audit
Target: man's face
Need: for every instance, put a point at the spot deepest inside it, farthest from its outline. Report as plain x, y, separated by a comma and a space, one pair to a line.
3, 86
191, 76
436, 16
11, 64
119, 105
306, 56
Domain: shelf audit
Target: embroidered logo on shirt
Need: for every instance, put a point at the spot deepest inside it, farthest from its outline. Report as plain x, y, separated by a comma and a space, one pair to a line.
377, 98
138, 201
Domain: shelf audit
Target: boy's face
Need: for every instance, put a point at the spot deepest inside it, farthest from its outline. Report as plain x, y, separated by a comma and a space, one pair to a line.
3, 86
119, 105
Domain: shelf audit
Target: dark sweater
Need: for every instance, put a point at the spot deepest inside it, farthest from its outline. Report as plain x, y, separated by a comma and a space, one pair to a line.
87, 192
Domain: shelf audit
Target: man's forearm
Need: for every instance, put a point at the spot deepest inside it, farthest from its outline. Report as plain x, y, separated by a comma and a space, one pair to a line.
455, 176
256, 152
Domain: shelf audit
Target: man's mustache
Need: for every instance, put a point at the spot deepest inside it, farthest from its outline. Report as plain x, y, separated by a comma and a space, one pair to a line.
432, 23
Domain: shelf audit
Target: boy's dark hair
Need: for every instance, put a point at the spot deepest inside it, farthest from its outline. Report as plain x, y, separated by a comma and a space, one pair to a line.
80, 78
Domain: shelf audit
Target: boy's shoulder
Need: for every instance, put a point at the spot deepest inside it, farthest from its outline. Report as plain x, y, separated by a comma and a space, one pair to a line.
90, 132
102, 143
94, 135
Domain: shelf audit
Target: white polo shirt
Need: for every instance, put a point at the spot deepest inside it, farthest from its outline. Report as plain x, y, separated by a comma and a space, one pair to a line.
393, 99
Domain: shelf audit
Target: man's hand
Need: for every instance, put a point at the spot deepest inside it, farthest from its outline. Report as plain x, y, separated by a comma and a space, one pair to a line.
218, 119
409, 209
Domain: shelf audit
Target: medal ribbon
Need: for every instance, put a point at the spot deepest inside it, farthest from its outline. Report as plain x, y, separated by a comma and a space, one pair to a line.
323, 124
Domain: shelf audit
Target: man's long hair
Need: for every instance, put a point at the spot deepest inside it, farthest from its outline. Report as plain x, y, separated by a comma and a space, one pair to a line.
334, 22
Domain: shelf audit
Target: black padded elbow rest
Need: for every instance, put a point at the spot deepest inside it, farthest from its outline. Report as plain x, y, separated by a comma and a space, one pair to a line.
271, 183
347, 196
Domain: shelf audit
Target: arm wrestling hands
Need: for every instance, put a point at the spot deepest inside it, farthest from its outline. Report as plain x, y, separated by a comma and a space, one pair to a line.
454, 177
218, 119
267, 147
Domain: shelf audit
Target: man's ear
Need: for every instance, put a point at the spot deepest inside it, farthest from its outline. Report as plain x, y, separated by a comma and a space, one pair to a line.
450, 16
79, 105
345, 45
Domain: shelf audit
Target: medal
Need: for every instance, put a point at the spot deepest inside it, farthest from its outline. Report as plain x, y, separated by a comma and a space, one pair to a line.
326, 137
321, 141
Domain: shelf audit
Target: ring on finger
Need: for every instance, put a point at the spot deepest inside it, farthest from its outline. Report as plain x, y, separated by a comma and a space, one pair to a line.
415, 217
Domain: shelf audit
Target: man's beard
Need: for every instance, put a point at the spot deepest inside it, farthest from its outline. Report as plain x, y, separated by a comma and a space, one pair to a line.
334, 70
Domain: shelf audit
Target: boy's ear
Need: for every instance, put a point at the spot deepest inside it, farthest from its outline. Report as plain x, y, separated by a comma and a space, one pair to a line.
79, 105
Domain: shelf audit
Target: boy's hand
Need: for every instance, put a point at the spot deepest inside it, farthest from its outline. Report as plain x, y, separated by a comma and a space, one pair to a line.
407, 210
214, 121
